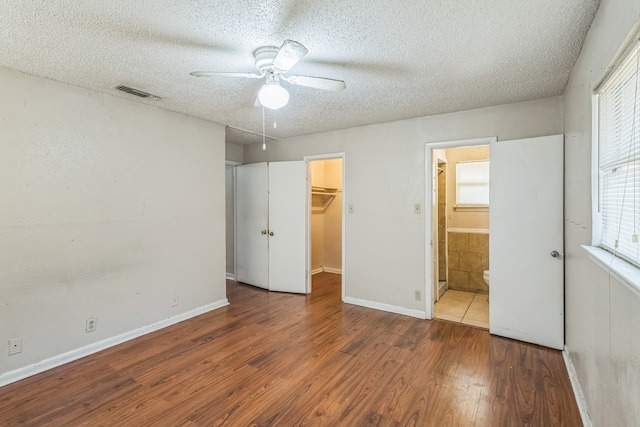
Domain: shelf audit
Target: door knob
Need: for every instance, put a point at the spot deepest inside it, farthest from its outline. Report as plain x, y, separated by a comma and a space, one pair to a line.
555, 254
271, 234
264, 231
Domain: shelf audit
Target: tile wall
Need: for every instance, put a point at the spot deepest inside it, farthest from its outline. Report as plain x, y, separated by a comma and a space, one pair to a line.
468, 258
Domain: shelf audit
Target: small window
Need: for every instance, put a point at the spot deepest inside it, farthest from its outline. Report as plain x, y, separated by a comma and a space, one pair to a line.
472, 184
618, 139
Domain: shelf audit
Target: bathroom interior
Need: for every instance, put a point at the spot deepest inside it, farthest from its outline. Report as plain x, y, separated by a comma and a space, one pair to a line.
461, 282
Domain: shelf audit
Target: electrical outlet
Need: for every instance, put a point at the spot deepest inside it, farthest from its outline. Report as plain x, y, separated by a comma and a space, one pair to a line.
15, 346
350, 207
417, 295
416, 209
174, 299
91, 324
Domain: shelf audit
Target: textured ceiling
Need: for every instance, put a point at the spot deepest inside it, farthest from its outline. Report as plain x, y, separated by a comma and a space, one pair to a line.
399, 59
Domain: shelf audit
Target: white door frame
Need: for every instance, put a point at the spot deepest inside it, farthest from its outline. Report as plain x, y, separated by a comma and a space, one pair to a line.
436, 236
428, 217
308, 159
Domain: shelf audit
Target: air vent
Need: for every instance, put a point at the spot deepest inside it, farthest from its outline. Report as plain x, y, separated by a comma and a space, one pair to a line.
136, 92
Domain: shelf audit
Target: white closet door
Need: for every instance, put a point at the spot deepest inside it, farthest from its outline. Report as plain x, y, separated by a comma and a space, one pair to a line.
526, 240
252, 209
287, 226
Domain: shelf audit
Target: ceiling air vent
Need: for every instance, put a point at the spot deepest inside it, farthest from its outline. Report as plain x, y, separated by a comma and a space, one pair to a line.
136, 92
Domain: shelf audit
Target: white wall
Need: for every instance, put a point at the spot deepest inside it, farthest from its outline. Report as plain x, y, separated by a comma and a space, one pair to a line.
385, 176
602, 316
234, 152
107, 207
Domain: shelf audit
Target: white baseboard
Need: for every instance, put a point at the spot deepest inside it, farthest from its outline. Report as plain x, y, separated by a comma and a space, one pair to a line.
386, 307
577, 390
316, 271
230, 276
70, 356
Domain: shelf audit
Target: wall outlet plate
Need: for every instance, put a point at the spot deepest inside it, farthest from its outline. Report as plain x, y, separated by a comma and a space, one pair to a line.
174, 299
417, 295
91, 324
15, 346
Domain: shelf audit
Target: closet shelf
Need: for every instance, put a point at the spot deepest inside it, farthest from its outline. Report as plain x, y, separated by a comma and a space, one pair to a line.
327, 193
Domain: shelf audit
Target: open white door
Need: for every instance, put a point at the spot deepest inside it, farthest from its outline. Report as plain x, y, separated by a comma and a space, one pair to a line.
252, 207
526, 240
287, 226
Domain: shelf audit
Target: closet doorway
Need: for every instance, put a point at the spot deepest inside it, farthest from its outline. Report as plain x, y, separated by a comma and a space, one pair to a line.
326, 220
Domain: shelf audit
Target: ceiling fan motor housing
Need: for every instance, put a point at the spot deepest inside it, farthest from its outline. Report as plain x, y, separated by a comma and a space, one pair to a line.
264, 59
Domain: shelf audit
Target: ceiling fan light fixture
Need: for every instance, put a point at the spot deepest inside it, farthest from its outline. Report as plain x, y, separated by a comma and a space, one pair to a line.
272, 95
273, 64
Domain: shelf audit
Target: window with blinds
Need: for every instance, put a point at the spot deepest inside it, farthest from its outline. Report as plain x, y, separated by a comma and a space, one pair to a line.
472, 183
619, 158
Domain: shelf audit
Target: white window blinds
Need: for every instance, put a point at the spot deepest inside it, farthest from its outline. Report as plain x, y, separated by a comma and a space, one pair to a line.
472, 183
619, 158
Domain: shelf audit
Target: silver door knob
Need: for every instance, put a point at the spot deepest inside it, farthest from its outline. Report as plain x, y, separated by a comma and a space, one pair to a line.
555, 254
271, 234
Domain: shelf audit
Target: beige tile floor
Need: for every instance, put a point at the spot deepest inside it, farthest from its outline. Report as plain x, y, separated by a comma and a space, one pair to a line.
468, 308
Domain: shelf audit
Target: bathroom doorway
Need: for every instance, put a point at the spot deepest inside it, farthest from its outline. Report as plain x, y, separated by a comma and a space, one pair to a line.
326, 220
460, 232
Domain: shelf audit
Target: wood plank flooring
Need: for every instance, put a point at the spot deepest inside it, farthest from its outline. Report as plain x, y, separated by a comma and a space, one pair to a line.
271, 359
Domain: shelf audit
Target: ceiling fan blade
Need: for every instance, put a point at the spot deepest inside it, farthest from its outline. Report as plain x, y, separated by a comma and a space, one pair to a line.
223, 74
316, 82
289, 54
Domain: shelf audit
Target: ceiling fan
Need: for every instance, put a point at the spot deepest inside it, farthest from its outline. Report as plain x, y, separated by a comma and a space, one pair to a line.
272, 63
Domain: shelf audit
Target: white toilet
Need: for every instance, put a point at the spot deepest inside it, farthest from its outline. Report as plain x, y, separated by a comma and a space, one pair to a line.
485, 276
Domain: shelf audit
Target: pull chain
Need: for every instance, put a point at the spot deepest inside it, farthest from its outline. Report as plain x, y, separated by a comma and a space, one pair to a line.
264, 139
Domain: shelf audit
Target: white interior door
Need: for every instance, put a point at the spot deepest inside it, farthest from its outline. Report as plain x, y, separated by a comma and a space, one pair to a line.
526, 227
252, 209
287, 226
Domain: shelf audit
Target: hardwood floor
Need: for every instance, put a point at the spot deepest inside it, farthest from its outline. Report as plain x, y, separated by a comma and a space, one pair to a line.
271, 359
